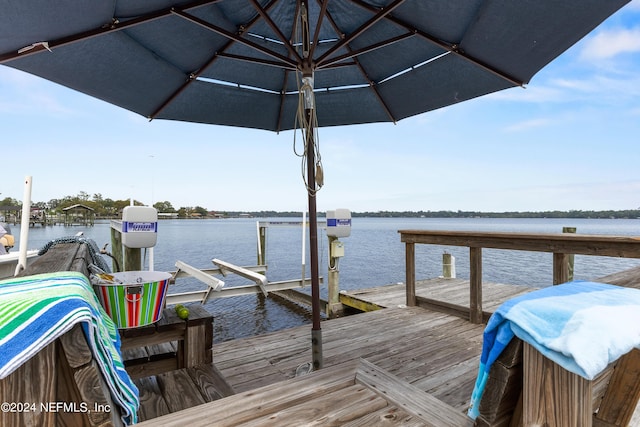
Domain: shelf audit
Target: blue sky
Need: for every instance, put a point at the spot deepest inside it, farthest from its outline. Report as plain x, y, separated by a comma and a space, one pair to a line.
569, 140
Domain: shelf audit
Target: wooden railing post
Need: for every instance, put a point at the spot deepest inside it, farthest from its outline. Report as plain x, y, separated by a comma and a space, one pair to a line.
475, 281
562, 245
410, 256
560, 268
553, 396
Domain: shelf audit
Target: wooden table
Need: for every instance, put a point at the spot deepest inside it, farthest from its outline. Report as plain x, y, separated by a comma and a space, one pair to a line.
169, 344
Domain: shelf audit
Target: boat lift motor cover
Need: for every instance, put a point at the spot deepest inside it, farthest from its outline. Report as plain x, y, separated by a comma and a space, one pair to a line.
339, 223
139, 226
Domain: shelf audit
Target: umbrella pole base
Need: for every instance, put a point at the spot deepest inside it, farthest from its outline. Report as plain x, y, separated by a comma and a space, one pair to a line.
316, 349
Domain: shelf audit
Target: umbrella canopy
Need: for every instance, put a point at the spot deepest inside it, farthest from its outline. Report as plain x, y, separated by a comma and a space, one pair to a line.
246, 63
236, 62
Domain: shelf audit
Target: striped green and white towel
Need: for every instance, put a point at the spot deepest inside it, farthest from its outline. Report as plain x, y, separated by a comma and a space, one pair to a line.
35, 310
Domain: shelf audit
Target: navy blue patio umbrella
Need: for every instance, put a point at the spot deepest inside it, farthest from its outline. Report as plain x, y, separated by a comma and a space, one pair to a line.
285, 64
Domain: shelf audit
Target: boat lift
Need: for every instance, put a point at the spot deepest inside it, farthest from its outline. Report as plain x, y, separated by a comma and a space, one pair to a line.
338, 224
256, 274
215, 286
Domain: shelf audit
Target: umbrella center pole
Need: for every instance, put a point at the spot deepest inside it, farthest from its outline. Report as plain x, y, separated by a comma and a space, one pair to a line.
316, 332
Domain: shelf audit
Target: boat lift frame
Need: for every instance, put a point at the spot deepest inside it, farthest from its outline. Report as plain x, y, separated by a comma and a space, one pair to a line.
286, 289
215, 287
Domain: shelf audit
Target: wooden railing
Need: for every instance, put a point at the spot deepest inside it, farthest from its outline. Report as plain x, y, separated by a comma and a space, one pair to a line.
561, 245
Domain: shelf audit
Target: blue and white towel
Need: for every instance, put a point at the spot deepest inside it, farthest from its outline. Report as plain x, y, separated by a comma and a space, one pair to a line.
582, 326
36, 310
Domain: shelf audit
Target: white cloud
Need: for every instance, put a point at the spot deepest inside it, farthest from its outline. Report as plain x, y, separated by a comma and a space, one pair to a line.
635, 5
528, 125
610, 43
532, 93
23, 92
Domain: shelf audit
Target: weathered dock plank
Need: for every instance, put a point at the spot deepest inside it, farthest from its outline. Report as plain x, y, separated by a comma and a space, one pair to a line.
435, 352
152, 404
452, 291
408, 348
388, 416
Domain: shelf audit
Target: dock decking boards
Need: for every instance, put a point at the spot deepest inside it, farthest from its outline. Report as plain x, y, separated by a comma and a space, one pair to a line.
355, 393
454, 291
410, 342
435, 352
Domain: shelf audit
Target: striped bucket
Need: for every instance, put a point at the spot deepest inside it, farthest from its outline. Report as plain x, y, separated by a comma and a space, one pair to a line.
135, 299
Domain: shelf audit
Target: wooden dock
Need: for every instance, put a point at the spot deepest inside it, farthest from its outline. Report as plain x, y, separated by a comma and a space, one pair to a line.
411, 343
442, 290
424, 349
429, 338
433, 351
411, 361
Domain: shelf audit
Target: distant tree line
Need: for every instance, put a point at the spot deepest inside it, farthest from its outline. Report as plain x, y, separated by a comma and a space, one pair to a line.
629, 213
105, 207
109, 208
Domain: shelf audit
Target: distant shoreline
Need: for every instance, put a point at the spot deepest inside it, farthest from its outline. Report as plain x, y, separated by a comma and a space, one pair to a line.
610, 214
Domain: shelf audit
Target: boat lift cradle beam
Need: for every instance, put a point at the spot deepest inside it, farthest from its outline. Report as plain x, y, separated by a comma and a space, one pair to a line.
257, 278
213, 284
205, 275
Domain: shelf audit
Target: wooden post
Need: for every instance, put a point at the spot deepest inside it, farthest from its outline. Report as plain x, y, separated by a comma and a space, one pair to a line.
448, 266
116, 250
571, 256
475, 281
560, 268
623, 392
334, 307
553, 396
262, 246
132, 259
198, 337
129, 259
410, 261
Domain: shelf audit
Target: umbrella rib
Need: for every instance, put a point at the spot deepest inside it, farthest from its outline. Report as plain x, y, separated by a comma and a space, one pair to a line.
453, 48
367, 49
316, 35
282, 99
364, 27
193, 76
276, 30
256, 60
372, 84
113, 26
288, 62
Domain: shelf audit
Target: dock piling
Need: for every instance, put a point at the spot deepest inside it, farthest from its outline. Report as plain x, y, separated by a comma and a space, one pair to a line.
448, 266
571, 256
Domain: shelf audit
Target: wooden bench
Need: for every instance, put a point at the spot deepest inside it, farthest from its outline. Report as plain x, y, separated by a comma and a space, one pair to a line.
64, 372
517, 391
572, 401
170, 359
525, 388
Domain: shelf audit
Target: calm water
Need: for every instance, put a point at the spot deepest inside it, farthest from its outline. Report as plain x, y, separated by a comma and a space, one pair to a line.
374, 256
